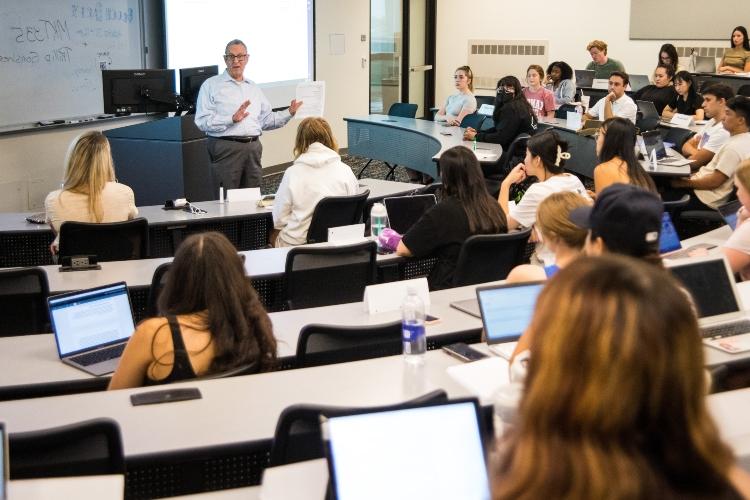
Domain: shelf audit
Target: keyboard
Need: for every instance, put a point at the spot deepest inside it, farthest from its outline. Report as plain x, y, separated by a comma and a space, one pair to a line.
92, 358
726, 330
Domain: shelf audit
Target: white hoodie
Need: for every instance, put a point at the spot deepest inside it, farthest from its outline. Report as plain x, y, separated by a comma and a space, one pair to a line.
317, 173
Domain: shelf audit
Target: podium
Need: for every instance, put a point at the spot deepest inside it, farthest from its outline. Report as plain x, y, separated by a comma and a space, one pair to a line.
163, 160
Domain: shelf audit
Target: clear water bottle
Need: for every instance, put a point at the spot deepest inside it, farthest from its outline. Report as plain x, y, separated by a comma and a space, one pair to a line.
412, 328
378, 222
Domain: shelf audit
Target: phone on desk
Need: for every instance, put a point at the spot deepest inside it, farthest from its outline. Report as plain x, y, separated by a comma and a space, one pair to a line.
464, 352
430, 319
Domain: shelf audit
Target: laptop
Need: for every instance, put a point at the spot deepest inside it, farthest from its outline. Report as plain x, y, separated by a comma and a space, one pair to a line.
652, 141
92, 326
506, 312
649, 118
729, 212
705, 64
433, 451
637, 82
711, 284
670, 246
584, 77
404, 211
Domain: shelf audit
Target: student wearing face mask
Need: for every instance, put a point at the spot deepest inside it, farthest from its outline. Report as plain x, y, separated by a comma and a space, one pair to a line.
512, 116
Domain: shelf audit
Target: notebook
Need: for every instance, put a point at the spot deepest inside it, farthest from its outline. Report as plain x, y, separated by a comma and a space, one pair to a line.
669, 241
584, 77
724, 325
506, 312
404, 211
637, 82
432, 451
652, 141
729, 212
92, 326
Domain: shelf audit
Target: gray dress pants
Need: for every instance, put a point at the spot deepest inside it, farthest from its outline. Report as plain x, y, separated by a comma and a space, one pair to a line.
235, 164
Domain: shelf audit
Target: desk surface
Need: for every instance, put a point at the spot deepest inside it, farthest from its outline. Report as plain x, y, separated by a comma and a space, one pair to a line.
110, 487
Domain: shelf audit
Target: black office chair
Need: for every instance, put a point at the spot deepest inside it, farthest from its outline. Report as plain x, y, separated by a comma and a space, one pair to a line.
335, 211
484, 99
158, 280
435, 188
327, 344
494, 174
93, 447
400, 109
108, 241
489, 257
322, 276
744, 90
297, 437
562, 111
23, 301
675, 206
473, 120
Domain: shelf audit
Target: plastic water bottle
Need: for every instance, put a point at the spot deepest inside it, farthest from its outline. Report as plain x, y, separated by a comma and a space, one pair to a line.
412, 328
378, 222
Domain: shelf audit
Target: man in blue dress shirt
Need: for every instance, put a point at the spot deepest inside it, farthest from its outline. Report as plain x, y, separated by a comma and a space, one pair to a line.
233, 112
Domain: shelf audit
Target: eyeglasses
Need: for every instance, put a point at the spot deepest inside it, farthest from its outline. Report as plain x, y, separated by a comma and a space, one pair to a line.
238, 57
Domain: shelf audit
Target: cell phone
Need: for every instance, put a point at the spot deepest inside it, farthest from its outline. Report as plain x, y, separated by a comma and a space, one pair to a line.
166, 396
464, 352
430, 319
4, 462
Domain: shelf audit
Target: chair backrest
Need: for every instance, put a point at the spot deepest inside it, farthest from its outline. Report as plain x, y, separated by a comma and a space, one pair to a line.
322, 276
403, 109
93, 447
675, 205
108, 241
484, 99
23, 301
489, 257
247, 369
158, 280
744, 90
334, 211
562, 111
327, 344
517, 149
297, 437
473, 120
435, 188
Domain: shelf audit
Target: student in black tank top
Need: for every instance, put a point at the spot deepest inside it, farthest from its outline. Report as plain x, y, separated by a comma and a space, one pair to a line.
212, 320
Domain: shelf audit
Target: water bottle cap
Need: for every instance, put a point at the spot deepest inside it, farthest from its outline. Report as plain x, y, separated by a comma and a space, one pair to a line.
378, 209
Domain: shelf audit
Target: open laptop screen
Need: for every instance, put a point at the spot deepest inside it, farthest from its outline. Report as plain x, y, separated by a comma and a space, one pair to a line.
91, 318
507, 309
710, 284
652, 140
668, 238
405, 211
430, 452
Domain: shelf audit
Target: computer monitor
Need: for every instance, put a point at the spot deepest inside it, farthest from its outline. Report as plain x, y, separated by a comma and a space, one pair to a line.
139, 91
191, 80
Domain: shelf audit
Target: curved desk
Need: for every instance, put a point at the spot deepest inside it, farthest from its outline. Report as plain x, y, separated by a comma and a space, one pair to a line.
409, 142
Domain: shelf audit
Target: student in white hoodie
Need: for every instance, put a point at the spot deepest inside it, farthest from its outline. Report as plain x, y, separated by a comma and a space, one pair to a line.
317, 172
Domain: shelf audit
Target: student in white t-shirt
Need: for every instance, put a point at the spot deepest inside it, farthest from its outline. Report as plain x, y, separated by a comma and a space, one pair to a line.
545, 158
737, 247
702, 147
616, 103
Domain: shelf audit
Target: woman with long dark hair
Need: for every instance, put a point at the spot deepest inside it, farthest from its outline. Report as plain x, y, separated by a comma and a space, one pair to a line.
668, 57
466, 209
687, 100
615, 147
211, 320
737, 58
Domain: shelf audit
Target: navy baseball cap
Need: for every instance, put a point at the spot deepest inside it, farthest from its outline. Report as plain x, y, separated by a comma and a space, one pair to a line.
626, 217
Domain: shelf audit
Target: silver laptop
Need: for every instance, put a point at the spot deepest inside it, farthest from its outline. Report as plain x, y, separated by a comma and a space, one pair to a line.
506, 313
705, 64
652, 141
92, 326
637, 82
433, 451
724, 325
584, 77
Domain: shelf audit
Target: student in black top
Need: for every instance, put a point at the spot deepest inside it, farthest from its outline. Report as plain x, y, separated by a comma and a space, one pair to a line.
465, 210
661, 92
512, 116
687, 100
212, 320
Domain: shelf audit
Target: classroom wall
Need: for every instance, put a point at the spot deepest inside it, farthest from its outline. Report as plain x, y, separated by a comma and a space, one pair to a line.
31, 163
568, 26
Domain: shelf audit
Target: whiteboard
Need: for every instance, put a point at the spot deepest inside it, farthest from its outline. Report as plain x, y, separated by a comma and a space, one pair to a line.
52, 53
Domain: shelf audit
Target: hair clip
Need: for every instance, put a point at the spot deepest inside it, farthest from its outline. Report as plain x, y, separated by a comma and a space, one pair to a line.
561, 155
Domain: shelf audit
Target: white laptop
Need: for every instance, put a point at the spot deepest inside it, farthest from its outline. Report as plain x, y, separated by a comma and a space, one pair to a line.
724, 325
92, 326
506, 313
430, 452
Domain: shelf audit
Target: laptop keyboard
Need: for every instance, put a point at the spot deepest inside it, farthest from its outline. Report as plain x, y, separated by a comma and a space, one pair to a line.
91, 358
726, 330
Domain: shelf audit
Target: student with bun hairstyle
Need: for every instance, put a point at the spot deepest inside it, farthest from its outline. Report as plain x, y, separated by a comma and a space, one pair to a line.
614, 401
210, 320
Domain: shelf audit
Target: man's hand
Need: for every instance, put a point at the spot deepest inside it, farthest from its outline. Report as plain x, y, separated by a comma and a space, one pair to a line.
611, 97
241, 114
294, 106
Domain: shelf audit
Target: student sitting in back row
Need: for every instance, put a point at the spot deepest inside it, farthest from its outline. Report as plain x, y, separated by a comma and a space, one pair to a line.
90, 192
661, 92
463, 102
560, 82
541, 99
616, 103
601, 63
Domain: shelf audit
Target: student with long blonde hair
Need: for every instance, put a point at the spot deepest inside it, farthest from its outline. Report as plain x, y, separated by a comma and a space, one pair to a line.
317, 172
614, 400
90, 192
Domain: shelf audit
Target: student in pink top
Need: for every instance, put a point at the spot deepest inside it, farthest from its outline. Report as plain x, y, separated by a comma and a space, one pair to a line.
542, 100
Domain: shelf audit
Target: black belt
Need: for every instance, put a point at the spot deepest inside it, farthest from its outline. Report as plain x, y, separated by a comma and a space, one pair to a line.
237, 138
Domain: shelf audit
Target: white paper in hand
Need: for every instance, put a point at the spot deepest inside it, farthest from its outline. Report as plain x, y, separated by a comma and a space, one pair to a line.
313, 97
